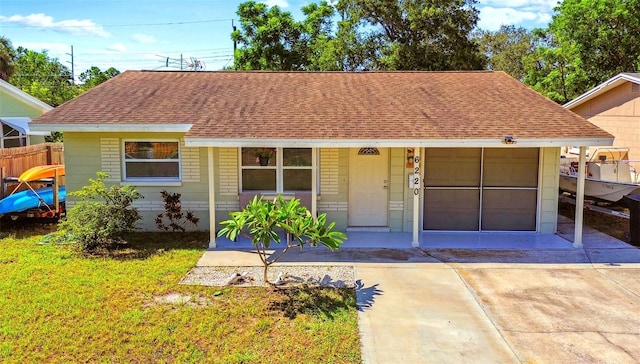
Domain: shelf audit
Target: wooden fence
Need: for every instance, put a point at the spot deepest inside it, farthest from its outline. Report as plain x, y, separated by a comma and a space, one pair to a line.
14, 161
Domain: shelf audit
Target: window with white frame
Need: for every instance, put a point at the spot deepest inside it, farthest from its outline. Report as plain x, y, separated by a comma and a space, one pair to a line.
151, 160
11, 138
272, 169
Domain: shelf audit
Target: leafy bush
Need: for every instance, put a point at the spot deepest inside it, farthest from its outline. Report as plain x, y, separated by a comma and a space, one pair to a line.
173, 212
104, 215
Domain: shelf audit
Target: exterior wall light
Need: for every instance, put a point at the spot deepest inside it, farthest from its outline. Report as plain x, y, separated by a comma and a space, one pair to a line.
509, 140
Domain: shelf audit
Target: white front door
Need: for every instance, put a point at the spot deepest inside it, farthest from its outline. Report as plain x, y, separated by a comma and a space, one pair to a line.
368, 186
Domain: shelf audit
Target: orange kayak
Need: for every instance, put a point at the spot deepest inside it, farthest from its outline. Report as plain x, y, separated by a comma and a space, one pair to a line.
40, 172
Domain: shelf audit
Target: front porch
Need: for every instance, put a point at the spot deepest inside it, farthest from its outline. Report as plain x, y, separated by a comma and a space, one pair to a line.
562, 240
435, 240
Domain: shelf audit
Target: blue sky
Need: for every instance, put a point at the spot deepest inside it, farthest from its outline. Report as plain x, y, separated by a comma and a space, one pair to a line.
141, 34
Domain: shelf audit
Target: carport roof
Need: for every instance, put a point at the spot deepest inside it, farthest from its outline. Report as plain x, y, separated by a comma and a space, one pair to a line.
473, 108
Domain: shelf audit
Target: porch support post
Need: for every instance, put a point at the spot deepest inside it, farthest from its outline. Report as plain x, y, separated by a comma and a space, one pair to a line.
577, 236
314, 182
416, 191
212, 199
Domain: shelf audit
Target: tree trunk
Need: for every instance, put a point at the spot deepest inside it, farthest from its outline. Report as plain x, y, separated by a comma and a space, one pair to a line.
266, 279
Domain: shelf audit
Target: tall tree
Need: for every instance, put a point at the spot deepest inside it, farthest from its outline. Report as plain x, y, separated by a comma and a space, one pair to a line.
420, 34
269, 39
605, 34
7, 56
554, 69
586, 43
43, 77
352, 49
506, 49
317, 33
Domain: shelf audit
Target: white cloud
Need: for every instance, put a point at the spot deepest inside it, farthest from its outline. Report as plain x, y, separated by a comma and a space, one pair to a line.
278, 3
539, 5
527, 13
51, 48
143, 38
118, 47
492, 18
76, 27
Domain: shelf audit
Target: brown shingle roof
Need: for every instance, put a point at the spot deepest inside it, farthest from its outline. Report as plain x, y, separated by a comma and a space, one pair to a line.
327, 105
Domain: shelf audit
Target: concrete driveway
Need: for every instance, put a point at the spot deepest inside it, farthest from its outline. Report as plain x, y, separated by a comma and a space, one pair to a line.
455, 310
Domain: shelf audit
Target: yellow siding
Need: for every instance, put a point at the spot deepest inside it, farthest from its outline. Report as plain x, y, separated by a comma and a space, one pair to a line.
334, 201
88, 153
228, 171
329, 171
226, 179
397, 188
190, 163
110, 158
10, 106
549, 185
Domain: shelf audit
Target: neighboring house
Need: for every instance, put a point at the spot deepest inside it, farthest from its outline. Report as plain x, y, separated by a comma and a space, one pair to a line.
380, 151
615, 107
17, 108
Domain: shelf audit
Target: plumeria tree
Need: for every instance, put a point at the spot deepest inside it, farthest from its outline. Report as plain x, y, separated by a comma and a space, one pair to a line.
280, 221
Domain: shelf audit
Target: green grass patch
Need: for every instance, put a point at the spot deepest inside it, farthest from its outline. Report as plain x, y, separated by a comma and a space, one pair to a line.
59, 306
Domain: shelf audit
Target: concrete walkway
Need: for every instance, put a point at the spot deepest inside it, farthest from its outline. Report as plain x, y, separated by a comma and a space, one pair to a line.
489, 306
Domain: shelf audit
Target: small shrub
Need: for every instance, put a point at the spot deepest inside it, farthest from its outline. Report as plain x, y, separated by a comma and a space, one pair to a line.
173, 212
104, 215
261, 221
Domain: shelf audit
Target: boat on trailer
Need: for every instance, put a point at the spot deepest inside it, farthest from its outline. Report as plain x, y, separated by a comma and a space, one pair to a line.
609, 174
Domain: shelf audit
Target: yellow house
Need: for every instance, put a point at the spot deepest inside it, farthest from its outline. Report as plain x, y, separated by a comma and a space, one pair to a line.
377, 151
17, 108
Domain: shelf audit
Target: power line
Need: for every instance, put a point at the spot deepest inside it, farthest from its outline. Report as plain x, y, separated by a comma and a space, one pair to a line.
102, 53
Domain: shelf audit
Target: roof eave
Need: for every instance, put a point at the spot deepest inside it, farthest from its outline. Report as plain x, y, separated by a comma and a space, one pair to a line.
601, 88
25, 97
111, 128
397, 143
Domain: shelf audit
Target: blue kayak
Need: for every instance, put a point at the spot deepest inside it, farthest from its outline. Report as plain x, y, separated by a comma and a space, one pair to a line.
27, 199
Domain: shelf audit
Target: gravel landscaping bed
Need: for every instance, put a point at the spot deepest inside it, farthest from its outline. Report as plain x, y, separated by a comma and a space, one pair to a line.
325, 276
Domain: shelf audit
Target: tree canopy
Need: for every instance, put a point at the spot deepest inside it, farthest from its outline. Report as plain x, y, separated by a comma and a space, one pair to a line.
44, 77
586, 43
95, 76
432, 35
270, 39
507, 48
604, 34
389, 35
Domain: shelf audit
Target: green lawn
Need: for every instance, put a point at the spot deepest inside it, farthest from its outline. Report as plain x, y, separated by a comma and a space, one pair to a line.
59, 306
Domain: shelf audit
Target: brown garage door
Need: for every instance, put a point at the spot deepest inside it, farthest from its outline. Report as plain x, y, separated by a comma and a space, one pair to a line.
474, 189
